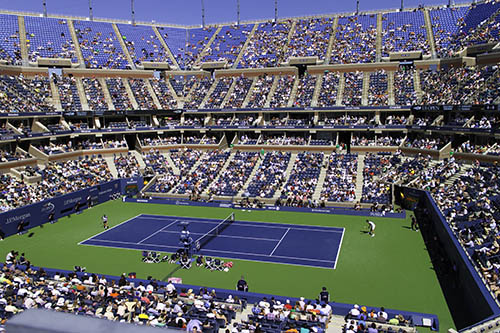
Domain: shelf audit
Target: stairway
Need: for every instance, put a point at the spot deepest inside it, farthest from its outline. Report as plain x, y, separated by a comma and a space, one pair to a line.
293, 93
229, 92
336, 324
165, 47
250, 177
106, 93
209, 93
224, 167
76, 43
180, 100
359, 177
288, 170
249, 93
111, 166
124, 47
81, 94
321, 180
288, 39
201, 159
417, 86
22, 40
430, 33
366, 85
333, 38
151, 91
56, 100
463, 170
317, 90
390, 88
242, 51
130, 94
340, 93
207, 46
378, 42
138, 156
171, 163
272, 91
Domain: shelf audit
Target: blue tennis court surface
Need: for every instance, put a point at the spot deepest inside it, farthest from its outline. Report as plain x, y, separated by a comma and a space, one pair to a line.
257, 241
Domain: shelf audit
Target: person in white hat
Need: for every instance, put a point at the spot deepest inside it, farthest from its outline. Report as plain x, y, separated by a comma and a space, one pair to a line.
353, 313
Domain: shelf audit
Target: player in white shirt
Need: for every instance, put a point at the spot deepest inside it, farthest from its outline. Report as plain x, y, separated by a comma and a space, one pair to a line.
105, 222
371, 226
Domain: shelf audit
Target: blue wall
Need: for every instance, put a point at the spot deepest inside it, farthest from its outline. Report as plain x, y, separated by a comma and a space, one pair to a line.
228, 204
479, 300
38, 213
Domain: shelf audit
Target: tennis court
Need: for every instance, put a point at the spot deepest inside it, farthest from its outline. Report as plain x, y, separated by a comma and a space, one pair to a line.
257, 241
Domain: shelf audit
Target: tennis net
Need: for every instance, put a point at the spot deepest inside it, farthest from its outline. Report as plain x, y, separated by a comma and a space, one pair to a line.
214, 232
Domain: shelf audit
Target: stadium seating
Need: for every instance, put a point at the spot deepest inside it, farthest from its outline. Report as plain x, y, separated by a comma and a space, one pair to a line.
480, 25
269, 176
21, 94
355, 40
99, 44
305, 91
238, 95
228, 43
340, 179
196, 181
219, 93
195, 44
143, 44
68, 94
199, 92
142, 95
353, 89
446, 23
57, 178
265, 48
420, 121
283, 91
126, 165
231, 180
94, 94
310, 38
377, 90
10, 48
165, 97
303, 179
118, 94
329, 88
175, 38
49, 38
260, 92
404, 31
404, 89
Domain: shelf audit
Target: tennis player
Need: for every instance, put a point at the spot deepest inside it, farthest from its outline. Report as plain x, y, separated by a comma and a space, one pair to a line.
105, 222
371, 228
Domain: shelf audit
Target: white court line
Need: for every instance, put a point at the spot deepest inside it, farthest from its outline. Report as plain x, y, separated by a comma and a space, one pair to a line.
119, 224
130, 243
251, 260
227, 236
201, 220
255, 224
231, 252
154, 233
263, 255
286, 232
338, 251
